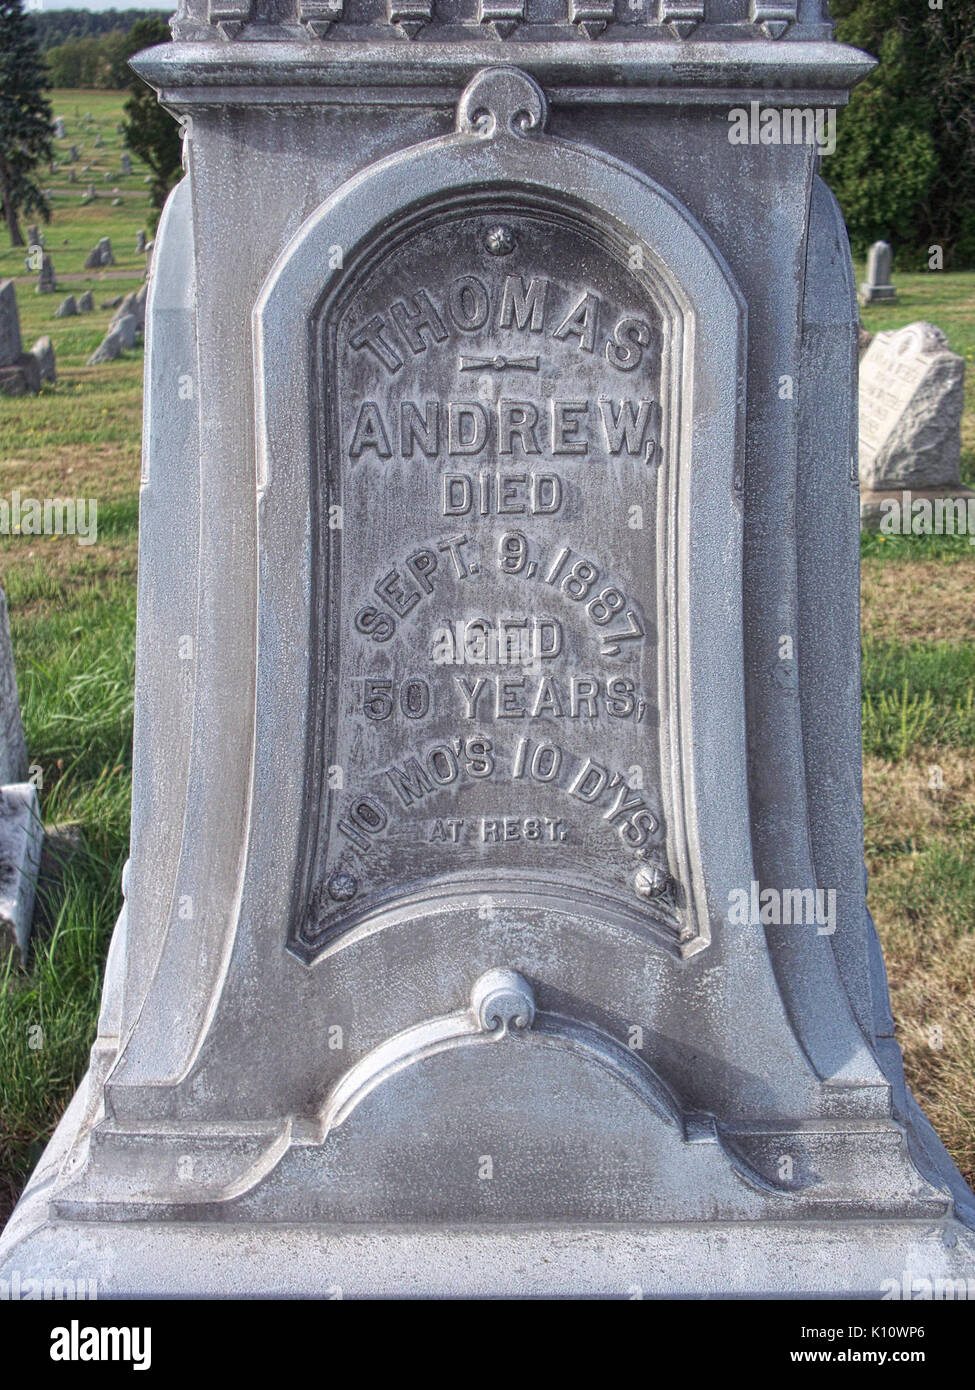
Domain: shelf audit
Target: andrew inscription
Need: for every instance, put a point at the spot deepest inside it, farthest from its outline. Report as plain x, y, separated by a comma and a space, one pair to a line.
489, 608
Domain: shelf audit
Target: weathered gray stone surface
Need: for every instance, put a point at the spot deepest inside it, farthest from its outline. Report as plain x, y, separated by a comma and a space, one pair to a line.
912, 390
43, 350
484, 885
10, 341
13, 749
126, 327
126, 164
877, 285
110, 347
86, 303
101, 255
140, 243
46, 280
21, 839
67, 309
59, 127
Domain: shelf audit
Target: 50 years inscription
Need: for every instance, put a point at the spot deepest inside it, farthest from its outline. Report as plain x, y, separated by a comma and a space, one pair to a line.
491, 439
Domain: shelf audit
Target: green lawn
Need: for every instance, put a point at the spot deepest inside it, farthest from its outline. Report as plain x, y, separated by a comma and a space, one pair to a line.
73, 611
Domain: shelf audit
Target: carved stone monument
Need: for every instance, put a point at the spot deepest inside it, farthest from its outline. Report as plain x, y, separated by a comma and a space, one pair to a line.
495, 920
877, 286
912, 391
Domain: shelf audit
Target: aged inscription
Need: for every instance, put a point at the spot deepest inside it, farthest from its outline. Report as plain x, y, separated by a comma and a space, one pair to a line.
491, 411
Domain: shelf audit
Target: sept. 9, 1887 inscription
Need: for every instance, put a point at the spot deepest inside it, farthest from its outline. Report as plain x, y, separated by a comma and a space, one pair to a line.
490, 451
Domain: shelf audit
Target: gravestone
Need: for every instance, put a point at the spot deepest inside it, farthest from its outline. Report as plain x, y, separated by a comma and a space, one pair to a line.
19, 370
101, 255
13, 749
503, 778
912, 390
67, 308
43, 350
21, 832
46, 280
72, 176
59, 127
126, 164
877, 286
140, 243
73, 154
86, 303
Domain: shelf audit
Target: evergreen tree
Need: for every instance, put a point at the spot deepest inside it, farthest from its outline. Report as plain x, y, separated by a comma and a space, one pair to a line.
150, 131
26, 129
904, 167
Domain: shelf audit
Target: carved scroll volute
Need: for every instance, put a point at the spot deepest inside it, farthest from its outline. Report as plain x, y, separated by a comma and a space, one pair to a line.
502, 101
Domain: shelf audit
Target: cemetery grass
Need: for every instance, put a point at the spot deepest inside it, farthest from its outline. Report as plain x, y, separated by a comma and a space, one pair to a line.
73, 620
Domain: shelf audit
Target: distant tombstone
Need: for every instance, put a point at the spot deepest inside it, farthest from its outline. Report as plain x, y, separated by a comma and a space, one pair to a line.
98, 142
140, 243
912, 389
108, 349
13, 749
10, 341
127, 326
90, 191
59, 127
46, 281
67, 308
86, 303
34, 235
43, 350
101, 255
73, 154
126, 164
19, 371
108, 176
72, 176
877, 286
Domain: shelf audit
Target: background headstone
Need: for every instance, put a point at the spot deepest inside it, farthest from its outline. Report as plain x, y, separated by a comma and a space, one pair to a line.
877, 286
43, 350
126, 164
13, 749
100, 256
912, 389
140, 243
21, 843
67, 308
46, 280
59, 127
86, 303
10, 340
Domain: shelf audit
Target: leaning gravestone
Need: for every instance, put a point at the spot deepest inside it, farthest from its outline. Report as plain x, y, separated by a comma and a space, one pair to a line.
877, 286
912, 390
501, 785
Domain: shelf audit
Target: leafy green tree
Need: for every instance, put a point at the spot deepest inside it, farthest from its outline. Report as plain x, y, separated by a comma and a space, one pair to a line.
904, 167
26, 129
149, 131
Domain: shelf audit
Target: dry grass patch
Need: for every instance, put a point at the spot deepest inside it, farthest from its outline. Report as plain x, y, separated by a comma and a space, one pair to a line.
919, 600
919, 842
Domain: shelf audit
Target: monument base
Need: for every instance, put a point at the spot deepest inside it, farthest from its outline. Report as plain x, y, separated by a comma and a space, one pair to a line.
875, 505
880, 1258
878, 294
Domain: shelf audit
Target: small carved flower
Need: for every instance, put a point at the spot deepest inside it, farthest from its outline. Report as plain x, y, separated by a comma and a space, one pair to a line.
653, 882
500, 241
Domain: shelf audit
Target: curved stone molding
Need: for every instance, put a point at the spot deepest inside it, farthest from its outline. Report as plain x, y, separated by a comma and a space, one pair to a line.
502, 101
502, 1008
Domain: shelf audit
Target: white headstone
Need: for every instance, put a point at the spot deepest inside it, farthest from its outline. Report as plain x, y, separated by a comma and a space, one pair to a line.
877, 285
911, 396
